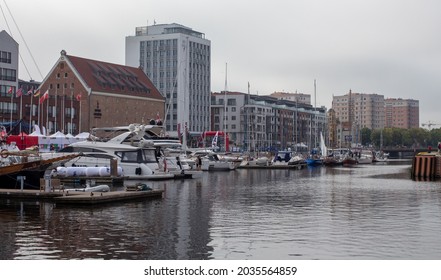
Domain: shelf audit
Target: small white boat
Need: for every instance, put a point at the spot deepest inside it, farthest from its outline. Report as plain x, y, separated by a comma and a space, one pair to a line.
261, 161
287, 158
381, 157
212, 162
365, 157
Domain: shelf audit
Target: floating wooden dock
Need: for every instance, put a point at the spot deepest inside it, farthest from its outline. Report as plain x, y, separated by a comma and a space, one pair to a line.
426, 165
110, 180
80, 198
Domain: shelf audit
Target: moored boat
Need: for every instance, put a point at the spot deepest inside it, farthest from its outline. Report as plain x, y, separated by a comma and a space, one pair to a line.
332, 161
212, 162
365, 156
287, 157
380, 157
28, 167
314, 161
349, 160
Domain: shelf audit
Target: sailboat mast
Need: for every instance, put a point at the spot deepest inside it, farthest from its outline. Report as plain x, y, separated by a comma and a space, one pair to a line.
315, 113
247, 135
225, 107
295, 124
315, 96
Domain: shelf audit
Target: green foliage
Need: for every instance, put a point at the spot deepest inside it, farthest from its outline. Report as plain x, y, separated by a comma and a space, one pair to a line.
400, 137
366, 137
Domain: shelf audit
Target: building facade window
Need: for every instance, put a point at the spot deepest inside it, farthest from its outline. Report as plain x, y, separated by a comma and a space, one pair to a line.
5, 57
7, 74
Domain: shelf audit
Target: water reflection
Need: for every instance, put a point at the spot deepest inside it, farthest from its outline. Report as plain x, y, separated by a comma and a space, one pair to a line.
367, 212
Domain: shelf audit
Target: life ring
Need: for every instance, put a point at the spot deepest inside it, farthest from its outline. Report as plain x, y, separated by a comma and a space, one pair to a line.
4, 153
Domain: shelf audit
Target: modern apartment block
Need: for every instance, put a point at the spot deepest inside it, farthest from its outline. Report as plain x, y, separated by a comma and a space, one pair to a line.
177, 61
262, 123
354, 111
360, 109
8, 75
402, 113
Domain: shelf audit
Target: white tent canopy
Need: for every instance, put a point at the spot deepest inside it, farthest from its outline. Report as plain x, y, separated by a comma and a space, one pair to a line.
83, 135
58, 141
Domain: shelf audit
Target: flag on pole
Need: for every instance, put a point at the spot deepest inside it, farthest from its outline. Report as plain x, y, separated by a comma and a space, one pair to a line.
37, 93
10, 90
44, 97
19, 92
30, 91
78, 97
214, 141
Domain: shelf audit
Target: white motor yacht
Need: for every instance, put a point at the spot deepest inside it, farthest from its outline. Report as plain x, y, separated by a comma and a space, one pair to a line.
139, 151
136, 162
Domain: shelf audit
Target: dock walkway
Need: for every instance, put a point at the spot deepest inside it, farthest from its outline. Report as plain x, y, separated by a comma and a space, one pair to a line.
80, 198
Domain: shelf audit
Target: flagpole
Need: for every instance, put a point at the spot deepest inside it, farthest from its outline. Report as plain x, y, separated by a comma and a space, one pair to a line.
54, 112
62, 114
10, 121
79, 121
21, 110
31, 113
38, 114
71, 109
47, 117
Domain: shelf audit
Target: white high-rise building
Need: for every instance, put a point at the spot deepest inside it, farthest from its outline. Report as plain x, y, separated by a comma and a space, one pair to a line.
8, 67
177, 61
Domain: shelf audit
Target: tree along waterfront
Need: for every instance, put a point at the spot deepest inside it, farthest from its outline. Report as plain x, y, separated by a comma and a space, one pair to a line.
400, 137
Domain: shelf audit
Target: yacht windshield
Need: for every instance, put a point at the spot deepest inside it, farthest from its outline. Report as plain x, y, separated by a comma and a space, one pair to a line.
149, 155
138, 156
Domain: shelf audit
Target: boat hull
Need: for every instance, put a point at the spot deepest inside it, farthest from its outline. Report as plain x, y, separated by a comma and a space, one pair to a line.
31, 171
314, 162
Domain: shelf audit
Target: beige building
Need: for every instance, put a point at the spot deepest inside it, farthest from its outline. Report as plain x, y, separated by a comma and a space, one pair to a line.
360, 109
84, 93
355, 111
402, 113
294, 97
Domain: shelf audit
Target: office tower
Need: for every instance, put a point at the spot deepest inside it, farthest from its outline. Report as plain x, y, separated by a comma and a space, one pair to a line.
177, 61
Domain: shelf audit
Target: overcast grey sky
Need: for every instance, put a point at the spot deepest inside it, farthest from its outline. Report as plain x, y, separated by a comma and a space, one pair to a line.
388, 47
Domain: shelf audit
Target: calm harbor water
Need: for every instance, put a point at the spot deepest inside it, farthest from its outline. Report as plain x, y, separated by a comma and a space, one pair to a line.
367, 212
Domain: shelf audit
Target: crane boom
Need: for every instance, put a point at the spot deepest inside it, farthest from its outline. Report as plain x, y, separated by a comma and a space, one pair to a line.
429, 124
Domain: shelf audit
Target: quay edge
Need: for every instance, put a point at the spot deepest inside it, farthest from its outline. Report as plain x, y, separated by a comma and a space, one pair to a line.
426, 165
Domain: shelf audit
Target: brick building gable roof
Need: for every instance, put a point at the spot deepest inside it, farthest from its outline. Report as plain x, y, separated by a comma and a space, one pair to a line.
114, 78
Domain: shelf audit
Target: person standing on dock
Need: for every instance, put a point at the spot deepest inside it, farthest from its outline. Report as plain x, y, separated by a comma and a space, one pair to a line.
178, 162
199, 163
